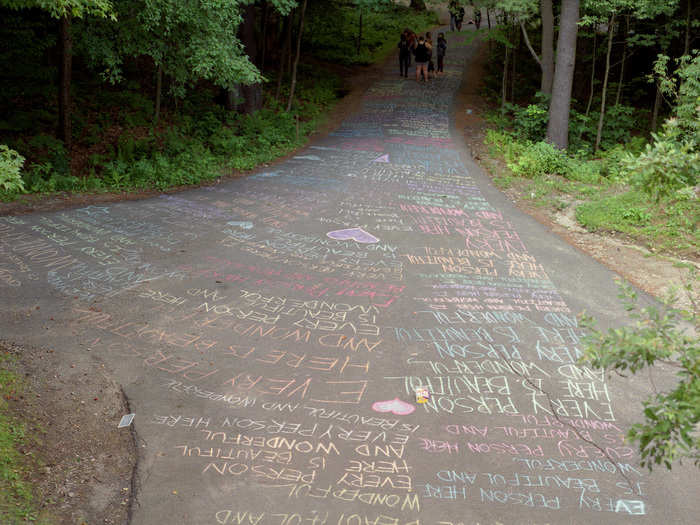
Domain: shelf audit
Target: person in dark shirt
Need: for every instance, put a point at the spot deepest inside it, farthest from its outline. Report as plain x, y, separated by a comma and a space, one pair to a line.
404, 55
422, 56
441, 50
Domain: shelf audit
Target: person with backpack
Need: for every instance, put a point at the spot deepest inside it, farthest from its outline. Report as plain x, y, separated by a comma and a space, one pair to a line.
441, 50
453, 8
429, 45
460, 19
404, 55
422, 56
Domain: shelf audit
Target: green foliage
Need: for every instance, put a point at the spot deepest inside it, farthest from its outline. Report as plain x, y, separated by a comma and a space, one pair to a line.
201, 143
669, 431
190, 40
670, 163
10, 166
669, 224
530, 123
334, 30
539, 158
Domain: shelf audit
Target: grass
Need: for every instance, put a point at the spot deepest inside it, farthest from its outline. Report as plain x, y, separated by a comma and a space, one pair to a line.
17, 503
604, 202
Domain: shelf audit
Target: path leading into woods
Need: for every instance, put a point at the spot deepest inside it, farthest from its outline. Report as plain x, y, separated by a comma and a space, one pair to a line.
271, 332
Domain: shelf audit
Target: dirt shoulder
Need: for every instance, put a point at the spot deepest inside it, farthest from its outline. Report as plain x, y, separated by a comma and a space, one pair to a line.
81, 464
654, 273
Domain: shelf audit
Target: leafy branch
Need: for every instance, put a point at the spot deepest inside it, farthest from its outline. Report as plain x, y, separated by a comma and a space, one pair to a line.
657, 335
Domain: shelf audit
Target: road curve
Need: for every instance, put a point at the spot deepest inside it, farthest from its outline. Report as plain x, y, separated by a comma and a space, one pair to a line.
274, 334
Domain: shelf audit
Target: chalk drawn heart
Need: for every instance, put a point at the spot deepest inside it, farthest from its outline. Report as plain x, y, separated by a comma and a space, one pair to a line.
353, 234
395, 406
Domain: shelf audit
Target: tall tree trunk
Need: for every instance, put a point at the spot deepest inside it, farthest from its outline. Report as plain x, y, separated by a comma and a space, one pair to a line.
655, 112
622, 65
547, 63
159, 91
686, 45
504, 81
590, 93
513, 60
263, 31
296, 58
359, 35
558, 125
488, 18
601, 118
65, 74
286, 50
252, 93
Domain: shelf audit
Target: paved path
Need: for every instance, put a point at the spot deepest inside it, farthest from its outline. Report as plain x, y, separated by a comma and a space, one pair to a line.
271, 333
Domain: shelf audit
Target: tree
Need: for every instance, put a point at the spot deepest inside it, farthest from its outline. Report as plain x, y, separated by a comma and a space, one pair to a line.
186, 41
524, 10
65, 11
558, 125
296, 58
668, 432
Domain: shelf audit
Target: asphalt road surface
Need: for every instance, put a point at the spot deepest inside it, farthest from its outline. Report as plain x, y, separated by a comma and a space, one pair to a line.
274, 334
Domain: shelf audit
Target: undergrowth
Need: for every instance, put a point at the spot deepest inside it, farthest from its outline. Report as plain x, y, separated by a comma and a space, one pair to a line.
602, 189
17, 503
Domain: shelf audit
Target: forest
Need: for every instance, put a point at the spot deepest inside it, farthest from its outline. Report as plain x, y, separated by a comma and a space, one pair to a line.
119, 95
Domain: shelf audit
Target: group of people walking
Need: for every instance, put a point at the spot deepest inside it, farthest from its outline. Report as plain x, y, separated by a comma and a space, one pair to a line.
422, 49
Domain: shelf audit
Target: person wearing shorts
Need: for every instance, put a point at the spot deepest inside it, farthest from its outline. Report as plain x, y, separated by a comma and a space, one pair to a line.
422, 57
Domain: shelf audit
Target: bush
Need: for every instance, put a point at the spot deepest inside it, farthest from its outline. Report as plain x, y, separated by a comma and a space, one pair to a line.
539, 159
670, 163
11, 164
531, 122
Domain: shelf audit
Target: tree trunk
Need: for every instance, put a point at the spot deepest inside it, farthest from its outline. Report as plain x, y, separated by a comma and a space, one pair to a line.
251, 93
504, 81
359, 35
159, 91
512, 72
263, 31
655, 112
622, 65
590, 94
686, 45
296, 58
547, 60
601, 118
286, 50
558, 125
65, 74
488, 18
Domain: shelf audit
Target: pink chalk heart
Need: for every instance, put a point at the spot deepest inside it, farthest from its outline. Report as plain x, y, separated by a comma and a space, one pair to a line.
353, 234
395, 406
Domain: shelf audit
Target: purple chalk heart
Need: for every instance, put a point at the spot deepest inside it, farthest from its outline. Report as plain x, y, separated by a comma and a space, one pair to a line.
353, 234
395, 406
